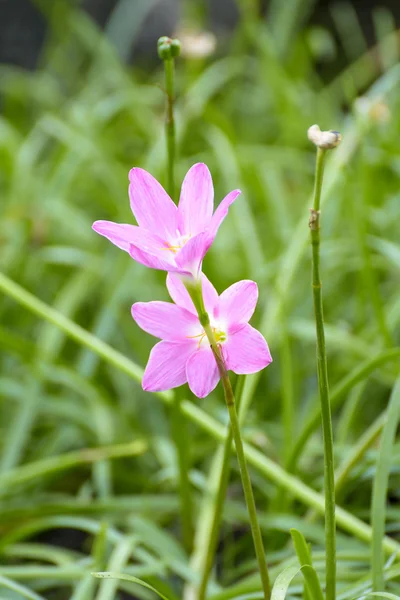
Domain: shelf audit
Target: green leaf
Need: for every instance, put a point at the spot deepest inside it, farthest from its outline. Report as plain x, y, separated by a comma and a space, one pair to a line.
283, 581
312, 586
123, 577
301, 547
380, 487
285, 578
387, 595
23, 591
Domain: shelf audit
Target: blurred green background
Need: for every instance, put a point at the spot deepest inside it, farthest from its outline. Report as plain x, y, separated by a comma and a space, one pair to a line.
74, 119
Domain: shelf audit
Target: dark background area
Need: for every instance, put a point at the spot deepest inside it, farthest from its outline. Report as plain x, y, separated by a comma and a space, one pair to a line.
23, 25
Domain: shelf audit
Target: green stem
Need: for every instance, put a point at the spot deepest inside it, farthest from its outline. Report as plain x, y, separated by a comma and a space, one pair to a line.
179, 432
322, 369
246, 482
169, 67
217, 516
197, 297
288, 412
209, 523
235, 432
178, 424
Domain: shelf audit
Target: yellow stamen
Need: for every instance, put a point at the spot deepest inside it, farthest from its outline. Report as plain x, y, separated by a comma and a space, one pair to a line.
199, 335
173, 249
220, 336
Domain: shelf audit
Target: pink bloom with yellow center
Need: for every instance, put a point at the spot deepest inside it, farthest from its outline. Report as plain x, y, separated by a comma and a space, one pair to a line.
169, 237
184, 354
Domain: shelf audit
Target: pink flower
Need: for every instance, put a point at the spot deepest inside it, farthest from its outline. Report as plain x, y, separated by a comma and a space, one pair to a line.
184, 354
168, 237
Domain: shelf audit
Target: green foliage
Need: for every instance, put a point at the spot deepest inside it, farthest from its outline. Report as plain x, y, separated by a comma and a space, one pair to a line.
88, 471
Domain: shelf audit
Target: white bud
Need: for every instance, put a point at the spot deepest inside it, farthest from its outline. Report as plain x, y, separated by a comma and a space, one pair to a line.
197, 44
324, 139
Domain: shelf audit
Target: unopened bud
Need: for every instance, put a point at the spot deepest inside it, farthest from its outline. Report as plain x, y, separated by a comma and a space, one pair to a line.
324, 139
168, 48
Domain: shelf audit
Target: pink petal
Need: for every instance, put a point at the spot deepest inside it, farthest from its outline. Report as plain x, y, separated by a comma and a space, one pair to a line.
151, 205
180, 295
196, 203
119, 234
202, 372
166, 320
190, 257
151, 260
237, 303
246, 351
210, 295
166, 368
222, 211
143, 245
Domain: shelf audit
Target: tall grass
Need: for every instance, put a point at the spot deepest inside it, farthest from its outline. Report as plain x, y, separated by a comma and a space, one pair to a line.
88, 472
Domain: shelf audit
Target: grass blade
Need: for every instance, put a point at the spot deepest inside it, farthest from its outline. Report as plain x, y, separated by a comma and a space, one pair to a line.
380, 487
284, 579
312, 583
122, 577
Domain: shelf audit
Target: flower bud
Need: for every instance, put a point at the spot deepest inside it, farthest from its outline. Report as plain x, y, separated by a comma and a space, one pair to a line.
324, 139
168, 48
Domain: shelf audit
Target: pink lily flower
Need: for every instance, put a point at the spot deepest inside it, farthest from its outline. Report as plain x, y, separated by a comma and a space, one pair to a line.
184, 354
169, 237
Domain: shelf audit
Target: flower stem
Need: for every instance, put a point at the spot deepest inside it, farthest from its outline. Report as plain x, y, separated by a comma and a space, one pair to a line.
169, 67
246, 482
181, 439
216, 517
322, 369
195, 292
168, 49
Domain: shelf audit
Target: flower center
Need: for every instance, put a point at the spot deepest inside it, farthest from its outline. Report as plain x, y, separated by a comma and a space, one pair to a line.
178, 243
220, 337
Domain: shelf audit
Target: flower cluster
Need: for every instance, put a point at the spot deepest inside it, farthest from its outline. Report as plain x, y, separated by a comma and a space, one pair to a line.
175, 239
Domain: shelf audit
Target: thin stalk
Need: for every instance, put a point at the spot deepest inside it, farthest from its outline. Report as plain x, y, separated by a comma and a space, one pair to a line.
246, 482
196, 295
281, 500
179, 432
322, 369
288, 412
169, 67
167, 50
217, 516
209, 524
